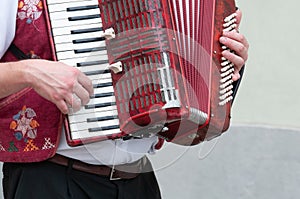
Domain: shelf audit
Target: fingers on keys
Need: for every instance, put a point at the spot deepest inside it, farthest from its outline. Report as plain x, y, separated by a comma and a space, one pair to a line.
79, 95
237, 52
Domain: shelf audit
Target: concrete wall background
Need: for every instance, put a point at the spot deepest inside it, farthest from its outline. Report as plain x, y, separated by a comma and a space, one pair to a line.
269, 92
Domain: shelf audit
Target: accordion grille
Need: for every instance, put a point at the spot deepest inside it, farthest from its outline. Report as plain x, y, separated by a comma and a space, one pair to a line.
170, 57
142, 45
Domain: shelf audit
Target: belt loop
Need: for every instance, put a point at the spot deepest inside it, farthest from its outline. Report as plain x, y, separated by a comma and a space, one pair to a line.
68, 176
70, 164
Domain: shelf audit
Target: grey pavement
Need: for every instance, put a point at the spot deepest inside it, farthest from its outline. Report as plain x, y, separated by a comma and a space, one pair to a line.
247, 162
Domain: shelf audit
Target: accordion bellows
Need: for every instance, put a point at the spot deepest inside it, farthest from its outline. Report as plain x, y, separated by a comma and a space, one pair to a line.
174, 82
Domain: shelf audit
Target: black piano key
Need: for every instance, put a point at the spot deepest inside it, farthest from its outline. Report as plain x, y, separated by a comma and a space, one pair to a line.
78, 8
87, 30
129, 137
101, 119
96, 72
88, 50
104, 128
87, 40
90, 63
101, 85
99, 95
100, 105
78, 18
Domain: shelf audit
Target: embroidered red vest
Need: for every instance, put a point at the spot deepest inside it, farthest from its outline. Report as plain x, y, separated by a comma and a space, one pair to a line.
30, 125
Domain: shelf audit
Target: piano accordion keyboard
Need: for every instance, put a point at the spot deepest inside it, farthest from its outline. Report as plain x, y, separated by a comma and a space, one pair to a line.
80, 42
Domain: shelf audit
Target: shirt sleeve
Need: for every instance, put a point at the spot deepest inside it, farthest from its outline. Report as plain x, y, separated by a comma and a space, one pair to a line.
236, 84
8, 12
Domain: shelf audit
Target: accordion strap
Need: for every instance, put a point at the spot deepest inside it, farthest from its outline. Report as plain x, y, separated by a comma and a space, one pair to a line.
237, 83
17, 52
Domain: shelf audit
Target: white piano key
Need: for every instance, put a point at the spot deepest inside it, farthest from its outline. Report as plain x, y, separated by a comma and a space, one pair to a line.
103, 81
67, 30
92, 58
70, 46
49, 2
105, 76
62, 6
95, 78
65, 22
95, 68
70, 38
85, 125
100, 100
85, 134
100, 76
65, 14
84, 117
92, 111
72, 54
103, 90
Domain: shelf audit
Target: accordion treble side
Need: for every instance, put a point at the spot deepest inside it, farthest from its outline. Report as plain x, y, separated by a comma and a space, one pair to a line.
173, 81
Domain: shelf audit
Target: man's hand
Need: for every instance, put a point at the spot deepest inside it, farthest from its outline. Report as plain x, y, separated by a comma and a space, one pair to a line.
61, 84
237, 43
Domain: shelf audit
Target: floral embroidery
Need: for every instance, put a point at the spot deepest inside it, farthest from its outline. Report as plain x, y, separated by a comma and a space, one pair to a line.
30, 10
24, 124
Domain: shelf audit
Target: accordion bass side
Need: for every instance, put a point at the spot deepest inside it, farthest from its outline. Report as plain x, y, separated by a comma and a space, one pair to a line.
173, 80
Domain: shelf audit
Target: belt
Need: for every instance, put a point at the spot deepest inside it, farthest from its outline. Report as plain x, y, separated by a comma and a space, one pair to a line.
115, 172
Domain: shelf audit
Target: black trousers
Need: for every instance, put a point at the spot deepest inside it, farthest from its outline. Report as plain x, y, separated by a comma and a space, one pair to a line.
47, 180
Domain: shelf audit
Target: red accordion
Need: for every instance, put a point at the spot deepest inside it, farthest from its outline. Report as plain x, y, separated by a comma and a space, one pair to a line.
173, 82
168, 76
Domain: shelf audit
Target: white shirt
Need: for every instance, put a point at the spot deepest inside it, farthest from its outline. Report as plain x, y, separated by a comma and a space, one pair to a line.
106, 152
8, 11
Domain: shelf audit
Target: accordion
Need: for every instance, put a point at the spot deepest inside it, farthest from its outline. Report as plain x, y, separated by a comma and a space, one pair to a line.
156, 67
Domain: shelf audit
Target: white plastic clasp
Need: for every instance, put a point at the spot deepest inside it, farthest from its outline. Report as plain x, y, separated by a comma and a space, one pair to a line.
116, 67
109, 33
112, 174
